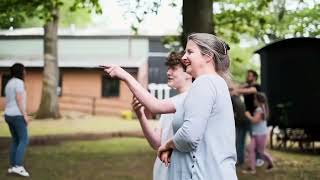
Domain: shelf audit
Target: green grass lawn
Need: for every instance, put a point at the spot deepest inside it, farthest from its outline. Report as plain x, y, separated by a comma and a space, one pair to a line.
132, 158
73, 123
289, 166
119, 158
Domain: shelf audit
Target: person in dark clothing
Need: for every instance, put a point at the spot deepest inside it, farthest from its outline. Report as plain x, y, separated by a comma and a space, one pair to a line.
248, 91
240, 122
238, 106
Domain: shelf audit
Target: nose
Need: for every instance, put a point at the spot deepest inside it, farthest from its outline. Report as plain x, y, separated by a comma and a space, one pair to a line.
168, 72
184, 58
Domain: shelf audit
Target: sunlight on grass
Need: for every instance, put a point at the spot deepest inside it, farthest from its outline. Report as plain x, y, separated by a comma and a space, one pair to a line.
77, 123
132, 159
289, 165
114, 159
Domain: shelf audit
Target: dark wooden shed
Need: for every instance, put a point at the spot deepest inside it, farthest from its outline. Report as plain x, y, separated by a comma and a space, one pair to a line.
290, 76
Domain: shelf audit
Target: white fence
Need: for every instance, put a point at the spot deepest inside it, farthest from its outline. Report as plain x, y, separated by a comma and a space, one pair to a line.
161, 91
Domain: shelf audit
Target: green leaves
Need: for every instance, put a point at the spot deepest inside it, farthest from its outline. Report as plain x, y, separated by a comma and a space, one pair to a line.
88, 5
22, 10
139, 9
267, 20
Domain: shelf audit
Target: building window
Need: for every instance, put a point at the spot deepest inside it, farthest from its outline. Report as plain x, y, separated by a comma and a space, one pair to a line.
110, 87
4, 80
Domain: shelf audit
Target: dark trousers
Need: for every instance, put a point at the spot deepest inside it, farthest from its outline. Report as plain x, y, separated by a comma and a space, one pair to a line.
20, 140
241, 132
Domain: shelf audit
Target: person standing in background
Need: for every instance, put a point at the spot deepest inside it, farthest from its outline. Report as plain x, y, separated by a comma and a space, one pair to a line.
17, 119
248, 91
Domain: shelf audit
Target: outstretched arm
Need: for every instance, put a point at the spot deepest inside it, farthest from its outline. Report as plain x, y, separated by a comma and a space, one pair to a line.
149, 101
246, 90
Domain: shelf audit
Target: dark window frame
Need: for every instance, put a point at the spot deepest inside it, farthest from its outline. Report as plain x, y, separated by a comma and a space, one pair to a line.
110, 87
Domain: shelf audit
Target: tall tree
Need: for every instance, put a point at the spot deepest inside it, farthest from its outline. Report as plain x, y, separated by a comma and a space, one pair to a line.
49, 12
196, 17
49, 105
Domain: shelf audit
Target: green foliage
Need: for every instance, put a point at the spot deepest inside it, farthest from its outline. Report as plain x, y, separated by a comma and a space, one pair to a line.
241, 61
11, 14
74, 123
79, 16
139, 9
262, 20
173, 43
267, 20
26, 13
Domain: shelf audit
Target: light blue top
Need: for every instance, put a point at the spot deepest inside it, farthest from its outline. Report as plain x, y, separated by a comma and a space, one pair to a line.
14, 86
259, 128
160, 171
204, 133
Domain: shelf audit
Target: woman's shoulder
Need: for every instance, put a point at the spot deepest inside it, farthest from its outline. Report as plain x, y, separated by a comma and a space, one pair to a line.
15, 82
214, 82
216, 79
14, 79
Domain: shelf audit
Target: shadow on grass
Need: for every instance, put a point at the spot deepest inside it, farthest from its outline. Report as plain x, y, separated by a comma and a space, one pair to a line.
58, 139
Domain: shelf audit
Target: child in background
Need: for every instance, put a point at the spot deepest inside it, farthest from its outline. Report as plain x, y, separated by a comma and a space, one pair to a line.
259, 133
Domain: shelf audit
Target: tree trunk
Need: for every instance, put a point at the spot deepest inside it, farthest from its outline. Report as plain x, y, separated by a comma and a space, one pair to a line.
49, 106
197, 17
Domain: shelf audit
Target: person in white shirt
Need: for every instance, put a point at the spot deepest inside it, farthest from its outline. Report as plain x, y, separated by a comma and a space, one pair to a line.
179, 80
16, 117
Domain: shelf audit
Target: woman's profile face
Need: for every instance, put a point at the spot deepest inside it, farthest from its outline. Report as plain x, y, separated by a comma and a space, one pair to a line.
193, 59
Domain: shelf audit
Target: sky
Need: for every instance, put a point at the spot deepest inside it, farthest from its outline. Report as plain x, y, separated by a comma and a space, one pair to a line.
115, 20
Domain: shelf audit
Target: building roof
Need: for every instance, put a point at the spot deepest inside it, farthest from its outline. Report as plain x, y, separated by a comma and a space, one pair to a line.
74, 51
90, 31
78, 63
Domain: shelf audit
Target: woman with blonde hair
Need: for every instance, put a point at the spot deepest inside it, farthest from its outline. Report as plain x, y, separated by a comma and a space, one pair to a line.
203, 145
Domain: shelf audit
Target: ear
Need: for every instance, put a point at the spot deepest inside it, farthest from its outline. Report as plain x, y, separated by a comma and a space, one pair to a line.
208, 58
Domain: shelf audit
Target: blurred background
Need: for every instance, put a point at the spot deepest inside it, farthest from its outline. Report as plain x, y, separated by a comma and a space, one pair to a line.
82, 121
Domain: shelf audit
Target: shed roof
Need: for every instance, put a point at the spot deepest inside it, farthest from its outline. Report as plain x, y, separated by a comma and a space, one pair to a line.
292, 42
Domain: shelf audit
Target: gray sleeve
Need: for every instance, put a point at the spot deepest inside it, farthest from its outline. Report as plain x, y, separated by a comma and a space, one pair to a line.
198, 107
